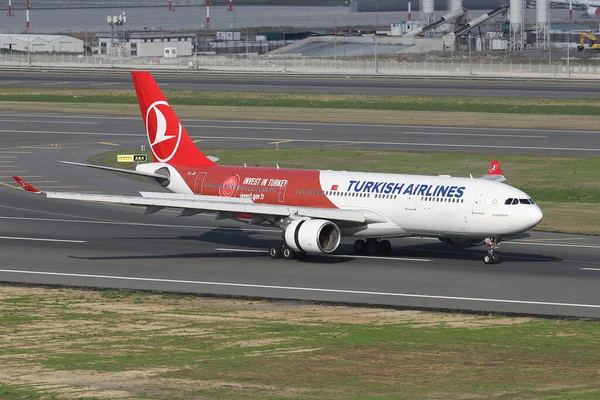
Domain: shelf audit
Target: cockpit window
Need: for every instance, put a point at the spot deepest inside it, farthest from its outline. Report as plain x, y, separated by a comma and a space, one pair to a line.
515, 201
508, 201
531, 201
524, 201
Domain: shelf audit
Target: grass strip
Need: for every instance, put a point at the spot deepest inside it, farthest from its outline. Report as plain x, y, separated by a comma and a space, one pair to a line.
180, 347
567, 189
494, 105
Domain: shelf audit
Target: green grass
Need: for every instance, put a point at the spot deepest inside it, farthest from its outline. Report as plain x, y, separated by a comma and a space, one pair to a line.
178, 348
500, 105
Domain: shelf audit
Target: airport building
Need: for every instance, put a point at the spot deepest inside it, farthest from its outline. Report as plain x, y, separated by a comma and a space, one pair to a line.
40, 43
146, 44
394, 5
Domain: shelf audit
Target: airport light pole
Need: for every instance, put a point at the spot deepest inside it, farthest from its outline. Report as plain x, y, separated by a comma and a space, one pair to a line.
568, 54
335, 44
376, 61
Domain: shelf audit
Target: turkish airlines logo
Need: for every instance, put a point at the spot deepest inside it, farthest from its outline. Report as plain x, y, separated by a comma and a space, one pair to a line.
229, 186
493, 168
24, 185
163, 135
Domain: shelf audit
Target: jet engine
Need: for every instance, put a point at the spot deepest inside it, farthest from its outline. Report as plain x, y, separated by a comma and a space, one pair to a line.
463, 242
593, 11
313, 236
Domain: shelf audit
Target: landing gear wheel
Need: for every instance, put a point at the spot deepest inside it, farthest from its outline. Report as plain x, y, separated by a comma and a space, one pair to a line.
372, 246
288, 253
275, 252
491, 257
360, 247
384, 247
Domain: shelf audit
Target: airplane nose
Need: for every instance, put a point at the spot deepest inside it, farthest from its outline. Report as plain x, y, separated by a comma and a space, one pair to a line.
535, 216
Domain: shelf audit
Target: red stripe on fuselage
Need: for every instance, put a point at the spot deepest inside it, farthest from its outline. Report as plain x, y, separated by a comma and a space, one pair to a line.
282, 186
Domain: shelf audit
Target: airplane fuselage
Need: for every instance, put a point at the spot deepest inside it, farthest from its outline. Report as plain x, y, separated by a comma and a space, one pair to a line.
408, 205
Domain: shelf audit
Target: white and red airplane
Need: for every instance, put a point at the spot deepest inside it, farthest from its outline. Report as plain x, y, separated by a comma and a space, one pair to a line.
315, 208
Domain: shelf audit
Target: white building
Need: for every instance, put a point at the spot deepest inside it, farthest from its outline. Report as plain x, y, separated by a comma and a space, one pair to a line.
40, 43
147, 44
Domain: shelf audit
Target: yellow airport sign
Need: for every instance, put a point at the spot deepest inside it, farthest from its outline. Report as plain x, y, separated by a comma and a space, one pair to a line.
132, 158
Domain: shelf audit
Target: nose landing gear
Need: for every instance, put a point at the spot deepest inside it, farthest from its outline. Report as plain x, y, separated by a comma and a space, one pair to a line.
491, 257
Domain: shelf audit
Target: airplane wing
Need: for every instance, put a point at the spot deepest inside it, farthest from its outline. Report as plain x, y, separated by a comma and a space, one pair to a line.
494, 173
194, 204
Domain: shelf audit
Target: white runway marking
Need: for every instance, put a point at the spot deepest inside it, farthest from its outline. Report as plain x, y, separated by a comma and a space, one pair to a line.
414, 144
230, 228
477, 146
462, 128
49, 122
194, 227
303, 289
41, 239
582, 246
590, 269
471, 134
332, 255
253, 127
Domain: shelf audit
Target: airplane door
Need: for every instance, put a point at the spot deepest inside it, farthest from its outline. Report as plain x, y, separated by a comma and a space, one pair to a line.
199, 182
479, 201
411, 202
282, 190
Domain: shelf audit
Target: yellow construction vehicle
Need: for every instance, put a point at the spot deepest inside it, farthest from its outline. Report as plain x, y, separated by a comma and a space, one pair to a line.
594, 45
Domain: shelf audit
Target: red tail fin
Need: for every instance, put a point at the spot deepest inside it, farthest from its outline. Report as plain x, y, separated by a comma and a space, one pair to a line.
27, 186
168, 139
495, 168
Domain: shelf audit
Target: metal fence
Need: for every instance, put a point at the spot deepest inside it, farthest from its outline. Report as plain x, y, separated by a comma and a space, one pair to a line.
315, 65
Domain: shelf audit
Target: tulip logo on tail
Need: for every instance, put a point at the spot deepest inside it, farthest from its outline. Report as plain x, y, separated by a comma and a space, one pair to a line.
24, 185
163, 129
229, 186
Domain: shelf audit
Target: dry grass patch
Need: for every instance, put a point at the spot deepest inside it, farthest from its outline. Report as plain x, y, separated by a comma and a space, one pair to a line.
74, 344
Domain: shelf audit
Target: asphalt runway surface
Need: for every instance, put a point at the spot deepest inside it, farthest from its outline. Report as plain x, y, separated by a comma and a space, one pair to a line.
88, 244
81, 132
276, 84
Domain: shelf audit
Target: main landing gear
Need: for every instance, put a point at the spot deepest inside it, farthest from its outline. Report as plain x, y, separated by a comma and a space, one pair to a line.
283, 251
491, 257
372, 246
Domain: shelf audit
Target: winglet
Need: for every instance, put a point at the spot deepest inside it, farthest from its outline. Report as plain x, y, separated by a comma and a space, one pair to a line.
27, 186
495, 168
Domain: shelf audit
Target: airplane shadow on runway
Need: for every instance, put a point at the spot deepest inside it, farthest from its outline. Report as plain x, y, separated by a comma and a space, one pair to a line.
238, 239
448, 252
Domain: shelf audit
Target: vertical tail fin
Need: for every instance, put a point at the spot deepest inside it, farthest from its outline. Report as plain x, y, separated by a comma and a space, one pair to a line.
494, 168
168, 139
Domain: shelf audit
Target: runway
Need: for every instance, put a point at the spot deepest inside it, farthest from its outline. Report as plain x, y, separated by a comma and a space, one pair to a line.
276, 84
83, 135
53, 242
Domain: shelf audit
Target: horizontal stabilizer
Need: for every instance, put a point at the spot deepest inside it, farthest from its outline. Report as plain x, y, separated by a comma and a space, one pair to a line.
125, 171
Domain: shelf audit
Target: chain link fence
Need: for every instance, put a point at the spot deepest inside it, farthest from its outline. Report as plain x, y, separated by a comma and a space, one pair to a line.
315, 65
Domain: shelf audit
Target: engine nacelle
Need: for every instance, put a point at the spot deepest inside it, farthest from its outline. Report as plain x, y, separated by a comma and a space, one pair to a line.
463, 242
313, 236
593, 11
